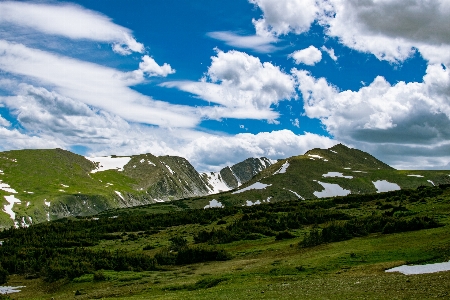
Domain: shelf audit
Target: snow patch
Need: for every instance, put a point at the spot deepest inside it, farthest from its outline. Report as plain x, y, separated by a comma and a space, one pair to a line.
168, 168
255, 186
45, 202
415, 175
347, 168
336, 174
142, 160
10, 289
215, 180
159, 200
250, 203
109, 163
431, 182
315, 156
8, 207
214, 203
359, 172
150, 163
385, 186
28, 203
283, 168
63, 185
120, 195
333, 151
298, 196
7, 188
331, 190
422, 269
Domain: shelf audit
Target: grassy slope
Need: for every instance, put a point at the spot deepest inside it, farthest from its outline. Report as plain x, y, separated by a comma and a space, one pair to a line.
269, 269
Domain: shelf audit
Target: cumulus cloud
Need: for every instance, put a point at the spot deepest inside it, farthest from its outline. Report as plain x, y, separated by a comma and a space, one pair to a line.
284, 16
241, 85
258, 43
309, 56
412, 114
64, 20
392, 30
95, 85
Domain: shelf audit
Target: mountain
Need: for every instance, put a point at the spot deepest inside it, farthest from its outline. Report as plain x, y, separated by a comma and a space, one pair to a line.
232, 177
41, 185
321, 173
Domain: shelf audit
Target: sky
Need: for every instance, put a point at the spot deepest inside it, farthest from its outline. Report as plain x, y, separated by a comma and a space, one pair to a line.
219, 81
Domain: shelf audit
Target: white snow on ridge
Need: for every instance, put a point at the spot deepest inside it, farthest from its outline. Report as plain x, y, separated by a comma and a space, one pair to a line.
336, 174
8, 207
298, 196
7, 188
168, 168
213, 203
422, 269
150, 163
332, 151
109, 163
255, 186
215, 180
331, 190
120, 195
283, 168
385, 186
415, 175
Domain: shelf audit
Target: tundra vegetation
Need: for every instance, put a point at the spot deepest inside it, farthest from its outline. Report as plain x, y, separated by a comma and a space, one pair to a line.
304, 249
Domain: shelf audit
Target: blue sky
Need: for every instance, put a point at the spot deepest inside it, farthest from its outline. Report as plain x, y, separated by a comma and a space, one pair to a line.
219, 81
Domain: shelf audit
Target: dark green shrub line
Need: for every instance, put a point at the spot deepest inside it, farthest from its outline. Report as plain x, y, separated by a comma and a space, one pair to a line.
341, 231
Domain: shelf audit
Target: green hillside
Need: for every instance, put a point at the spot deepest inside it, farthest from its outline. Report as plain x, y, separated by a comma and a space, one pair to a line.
336, 248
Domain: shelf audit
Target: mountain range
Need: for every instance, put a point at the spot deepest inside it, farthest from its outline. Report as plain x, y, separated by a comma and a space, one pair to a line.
41, 185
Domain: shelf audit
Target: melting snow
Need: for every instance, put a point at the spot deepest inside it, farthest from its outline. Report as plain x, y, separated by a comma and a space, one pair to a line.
159, 200
431, 182
7, 188
316, 156
109, 163
142, 160
1, 172
46, 203
150, 163
255, 186
332, 151
10, 289
336, 174
28, 203
283, 168
422, 269
385, 186
63, 185
8, 207
347, 168
359, 172
120, 195
214, 203
331, 190
415, 175
218, 185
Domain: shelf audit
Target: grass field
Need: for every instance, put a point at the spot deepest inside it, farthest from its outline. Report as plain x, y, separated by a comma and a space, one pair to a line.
267, 268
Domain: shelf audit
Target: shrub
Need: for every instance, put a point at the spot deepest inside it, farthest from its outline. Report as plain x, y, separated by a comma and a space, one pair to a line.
284, 235
99, 276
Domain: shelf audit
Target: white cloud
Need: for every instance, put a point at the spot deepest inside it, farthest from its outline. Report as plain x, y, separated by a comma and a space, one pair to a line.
330, 52
389, 29
242, 86
409, 115
4, 122
296, 123
309, 56
95, 85
258, 43
284, 16
64, 20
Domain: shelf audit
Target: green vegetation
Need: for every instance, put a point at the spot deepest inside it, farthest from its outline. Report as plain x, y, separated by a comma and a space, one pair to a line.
329, 248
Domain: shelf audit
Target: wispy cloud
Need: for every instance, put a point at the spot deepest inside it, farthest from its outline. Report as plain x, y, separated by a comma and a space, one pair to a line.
261, 44
70, 21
